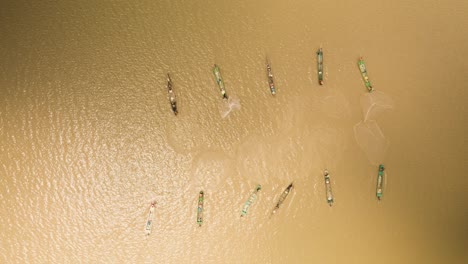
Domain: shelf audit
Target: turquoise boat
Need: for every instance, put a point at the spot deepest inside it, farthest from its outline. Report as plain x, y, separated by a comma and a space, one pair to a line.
250, 201
219, 81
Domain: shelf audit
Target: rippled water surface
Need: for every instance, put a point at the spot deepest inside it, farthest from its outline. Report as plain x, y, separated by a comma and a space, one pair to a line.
88, 140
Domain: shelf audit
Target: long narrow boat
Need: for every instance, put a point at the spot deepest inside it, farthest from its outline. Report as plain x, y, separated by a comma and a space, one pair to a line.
379, 191
172, 97
271, 83
328, 187
365, 77
282, 198
219, 81
149, 221
250, 201
320, 66
200, 208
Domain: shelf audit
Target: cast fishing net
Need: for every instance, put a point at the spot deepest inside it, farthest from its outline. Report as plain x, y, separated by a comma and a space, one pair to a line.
229, 105
368, 134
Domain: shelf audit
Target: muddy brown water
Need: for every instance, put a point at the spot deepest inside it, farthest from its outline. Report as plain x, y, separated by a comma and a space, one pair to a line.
88, 139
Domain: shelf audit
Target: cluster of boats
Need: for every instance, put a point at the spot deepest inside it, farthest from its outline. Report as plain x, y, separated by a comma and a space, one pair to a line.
254, 195
271, 83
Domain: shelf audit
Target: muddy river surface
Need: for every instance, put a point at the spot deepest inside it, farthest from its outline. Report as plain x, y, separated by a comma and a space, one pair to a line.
88, 139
